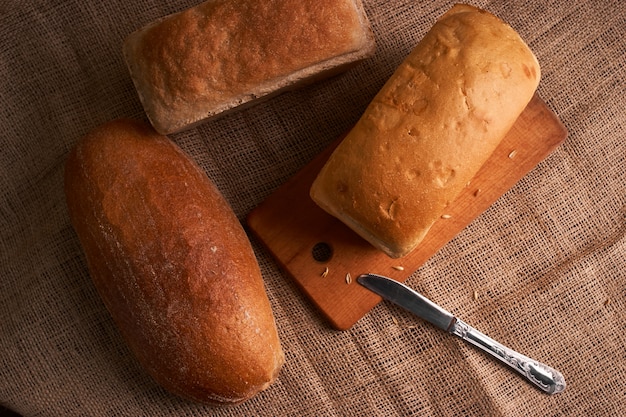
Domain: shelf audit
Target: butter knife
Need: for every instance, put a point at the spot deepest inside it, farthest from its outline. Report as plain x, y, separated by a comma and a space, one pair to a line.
542, 376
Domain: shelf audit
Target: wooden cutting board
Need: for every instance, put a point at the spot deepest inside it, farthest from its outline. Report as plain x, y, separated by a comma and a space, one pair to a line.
318, 251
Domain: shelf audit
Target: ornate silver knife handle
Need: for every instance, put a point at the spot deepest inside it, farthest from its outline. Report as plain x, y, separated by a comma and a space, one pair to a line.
544, 377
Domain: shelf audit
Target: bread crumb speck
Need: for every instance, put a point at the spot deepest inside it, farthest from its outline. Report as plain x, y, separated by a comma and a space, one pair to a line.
512, 154
445, 216
475, 295
348, 278
398, 268
325, 273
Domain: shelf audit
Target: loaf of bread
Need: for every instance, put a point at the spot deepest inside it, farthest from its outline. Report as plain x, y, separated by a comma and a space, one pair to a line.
429, 129
172, 264
204, 61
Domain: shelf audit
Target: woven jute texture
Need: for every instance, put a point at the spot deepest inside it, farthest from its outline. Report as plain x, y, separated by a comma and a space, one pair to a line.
546, 261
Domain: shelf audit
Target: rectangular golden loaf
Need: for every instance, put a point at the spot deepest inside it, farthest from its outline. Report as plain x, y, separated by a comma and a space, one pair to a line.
429, 130
218, 55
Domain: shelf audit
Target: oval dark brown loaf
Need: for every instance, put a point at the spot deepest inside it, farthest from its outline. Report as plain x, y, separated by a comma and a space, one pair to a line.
172, 264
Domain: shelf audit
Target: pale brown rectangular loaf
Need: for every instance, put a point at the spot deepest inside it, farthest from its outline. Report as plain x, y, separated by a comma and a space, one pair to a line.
429, 130
219, 55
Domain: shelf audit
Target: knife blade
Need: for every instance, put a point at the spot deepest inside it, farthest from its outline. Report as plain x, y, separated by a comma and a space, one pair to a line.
547, 379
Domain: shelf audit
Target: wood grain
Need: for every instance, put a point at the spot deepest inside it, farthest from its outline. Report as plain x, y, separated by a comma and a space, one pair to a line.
290, 224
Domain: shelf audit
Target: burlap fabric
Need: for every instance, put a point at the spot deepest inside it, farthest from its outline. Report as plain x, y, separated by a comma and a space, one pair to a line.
546, 261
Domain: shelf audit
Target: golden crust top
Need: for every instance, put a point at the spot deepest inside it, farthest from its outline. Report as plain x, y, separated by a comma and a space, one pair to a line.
429, 129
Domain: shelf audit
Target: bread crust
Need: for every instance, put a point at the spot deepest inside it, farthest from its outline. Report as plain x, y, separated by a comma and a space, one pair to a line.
219, 55
429, 129
172, 264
